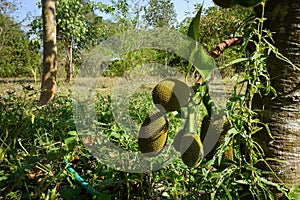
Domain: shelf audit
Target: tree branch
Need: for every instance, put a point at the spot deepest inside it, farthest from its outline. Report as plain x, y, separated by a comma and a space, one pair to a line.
220, 49
225, 44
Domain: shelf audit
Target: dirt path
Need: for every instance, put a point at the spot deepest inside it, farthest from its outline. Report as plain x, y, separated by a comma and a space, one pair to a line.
106, 85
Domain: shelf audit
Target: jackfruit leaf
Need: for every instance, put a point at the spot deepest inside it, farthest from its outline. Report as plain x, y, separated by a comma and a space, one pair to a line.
232, 131
246, 3
204, 63
69, 140
74, 133
195, 25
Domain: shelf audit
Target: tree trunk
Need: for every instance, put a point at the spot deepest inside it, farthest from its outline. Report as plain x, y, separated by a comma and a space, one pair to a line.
283, 113
49, 86
69, 64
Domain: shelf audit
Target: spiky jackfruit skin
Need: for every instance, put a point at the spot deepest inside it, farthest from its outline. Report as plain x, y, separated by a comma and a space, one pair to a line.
191, 149
222, 126
153, 134
228, 154
171, 95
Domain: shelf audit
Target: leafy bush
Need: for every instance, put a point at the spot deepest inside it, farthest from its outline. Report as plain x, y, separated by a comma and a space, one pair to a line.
18, 56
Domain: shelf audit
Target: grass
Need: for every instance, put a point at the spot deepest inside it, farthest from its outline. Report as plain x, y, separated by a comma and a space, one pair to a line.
35, 141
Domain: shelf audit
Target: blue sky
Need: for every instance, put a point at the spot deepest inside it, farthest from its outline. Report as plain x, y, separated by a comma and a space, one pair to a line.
181, 6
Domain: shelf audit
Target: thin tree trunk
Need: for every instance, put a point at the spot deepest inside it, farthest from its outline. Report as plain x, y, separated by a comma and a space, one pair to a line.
49, 86
283, 113
69, 65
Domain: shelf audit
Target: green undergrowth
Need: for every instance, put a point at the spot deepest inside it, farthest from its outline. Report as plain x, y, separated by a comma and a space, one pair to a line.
35, 141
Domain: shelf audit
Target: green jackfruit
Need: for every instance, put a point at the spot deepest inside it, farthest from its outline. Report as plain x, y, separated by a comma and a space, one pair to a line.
191, 149
221, 126
171, 94
153, 134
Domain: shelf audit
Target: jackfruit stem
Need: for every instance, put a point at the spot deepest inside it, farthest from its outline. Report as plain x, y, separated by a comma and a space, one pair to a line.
191, 117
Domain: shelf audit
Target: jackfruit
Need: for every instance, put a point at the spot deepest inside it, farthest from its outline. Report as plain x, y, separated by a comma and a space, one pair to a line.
191, 149
170, 95
228, 154
222, 127
153, 134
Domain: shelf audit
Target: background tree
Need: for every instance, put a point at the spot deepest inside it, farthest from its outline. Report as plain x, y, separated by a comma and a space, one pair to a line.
49, 86
78, 27
18, 56
160, 13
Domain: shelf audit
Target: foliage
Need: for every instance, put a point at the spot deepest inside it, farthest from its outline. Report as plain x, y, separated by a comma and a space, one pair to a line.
140, 58
127, 15
159, 13
18, 56
78, 27
216, 25
35, 141
77, 22
243, 171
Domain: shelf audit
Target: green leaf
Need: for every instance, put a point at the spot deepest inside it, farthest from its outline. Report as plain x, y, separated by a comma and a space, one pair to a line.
73, 133
32, 118
294, 193
195, 25
243, 182
165, 194
204, 63
69, 140
232, 131
236, 61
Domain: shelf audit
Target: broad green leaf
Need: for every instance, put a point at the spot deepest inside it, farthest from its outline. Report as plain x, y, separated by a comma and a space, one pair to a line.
195, 25
204, 63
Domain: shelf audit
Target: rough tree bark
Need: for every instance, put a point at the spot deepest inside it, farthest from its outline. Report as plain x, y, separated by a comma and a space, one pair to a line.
283, 113
49, 86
